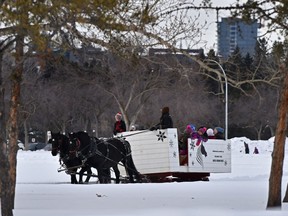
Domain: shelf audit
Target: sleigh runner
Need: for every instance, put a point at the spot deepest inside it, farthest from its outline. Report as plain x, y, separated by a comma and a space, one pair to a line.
156, 155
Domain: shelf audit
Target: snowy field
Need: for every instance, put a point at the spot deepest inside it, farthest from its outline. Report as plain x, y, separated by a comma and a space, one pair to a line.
42, 191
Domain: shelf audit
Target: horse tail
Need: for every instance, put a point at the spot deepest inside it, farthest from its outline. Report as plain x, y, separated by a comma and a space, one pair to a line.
130, 165
131, 169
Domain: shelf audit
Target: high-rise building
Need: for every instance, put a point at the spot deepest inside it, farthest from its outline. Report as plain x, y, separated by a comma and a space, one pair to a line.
235, 32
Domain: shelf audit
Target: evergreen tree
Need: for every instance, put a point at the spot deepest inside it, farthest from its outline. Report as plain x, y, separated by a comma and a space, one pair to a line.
248, 62
260, 59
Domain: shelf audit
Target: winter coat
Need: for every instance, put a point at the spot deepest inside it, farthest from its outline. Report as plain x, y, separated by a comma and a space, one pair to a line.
165, 122
196, 135
219, 135
183, 141
119, 127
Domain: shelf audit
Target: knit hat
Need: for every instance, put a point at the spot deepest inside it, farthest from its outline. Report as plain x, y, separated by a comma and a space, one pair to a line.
202, 129
165, 110
193, 127
189, 129
219, 130
118, 116
210, 132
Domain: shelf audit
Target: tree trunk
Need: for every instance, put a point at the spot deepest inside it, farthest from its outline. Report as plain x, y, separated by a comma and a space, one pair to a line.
10, 161
13, 137
271, 131
286, 195
275, 181
6, 206
96, 132
26, 135
2, 127
259, 131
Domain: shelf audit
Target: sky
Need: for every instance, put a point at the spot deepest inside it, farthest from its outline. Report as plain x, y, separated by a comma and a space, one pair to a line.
41, 190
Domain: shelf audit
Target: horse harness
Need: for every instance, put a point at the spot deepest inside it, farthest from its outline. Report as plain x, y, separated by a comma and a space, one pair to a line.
107, 144
94, 149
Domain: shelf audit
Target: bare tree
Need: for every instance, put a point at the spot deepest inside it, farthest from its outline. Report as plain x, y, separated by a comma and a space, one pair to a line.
131, 81
118, 26
261, 107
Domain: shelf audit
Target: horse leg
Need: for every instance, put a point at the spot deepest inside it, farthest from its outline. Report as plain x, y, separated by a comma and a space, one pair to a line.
73, 179
81, 173
130, 174
131, 170
89, 173
106, 176
101, 175
128, 169
82, 170
117, 173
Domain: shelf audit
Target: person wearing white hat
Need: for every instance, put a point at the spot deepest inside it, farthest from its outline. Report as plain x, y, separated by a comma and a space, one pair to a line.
210, 133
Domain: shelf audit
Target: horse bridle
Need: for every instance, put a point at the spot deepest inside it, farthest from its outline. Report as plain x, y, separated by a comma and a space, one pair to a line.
58, 144
53, 145
77, 147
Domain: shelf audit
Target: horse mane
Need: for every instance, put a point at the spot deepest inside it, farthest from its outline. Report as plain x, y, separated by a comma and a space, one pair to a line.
64, 146
105, 153
85, 141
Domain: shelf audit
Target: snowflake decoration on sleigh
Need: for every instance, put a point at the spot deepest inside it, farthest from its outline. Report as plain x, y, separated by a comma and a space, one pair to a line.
161, 136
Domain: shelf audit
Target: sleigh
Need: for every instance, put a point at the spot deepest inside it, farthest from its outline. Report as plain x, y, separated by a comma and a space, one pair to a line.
156, 155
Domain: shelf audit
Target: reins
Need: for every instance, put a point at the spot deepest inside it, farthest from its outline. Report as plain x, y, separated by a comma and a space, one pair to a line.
94, 150
123, 136
70, 168
107, 144
99, 153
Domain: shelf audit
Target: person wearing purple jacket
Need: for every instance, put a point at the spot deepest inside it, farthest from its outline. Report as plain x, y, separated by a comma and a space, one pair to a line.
200, 135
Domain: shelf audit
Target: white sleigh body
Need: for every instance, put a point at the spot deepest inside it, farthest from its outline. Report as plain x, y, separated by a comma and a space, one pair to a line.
156, 155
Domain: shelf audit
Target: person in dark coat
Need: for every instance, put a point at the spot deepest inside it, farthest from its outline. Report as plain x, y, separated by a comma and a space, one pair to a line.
119, 125
183, 144
246, 148
183, 139
165, 120
219, 133
256, 151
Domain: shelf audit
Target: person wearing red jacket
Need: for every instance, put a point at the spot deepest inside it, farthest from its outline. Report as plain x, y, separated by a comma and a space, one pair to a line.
119, 125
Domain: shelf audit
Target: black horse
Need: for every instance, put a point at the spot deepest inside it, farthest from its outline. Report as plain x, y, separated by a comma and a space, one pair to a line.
104, 175
60, 144
104, 154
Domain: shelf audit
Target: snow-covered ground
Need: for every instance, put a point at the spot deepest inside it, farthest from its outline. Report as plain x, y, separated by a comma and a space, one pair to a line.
42, 191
